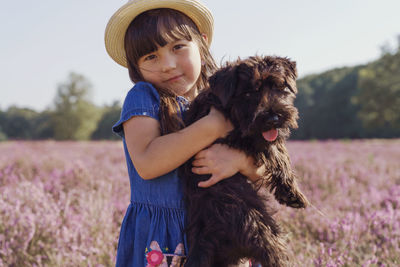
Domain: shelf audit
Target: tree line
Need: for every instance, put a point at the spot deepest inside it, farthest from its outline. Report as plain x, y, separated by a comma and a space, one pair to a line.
72, 117
351, 102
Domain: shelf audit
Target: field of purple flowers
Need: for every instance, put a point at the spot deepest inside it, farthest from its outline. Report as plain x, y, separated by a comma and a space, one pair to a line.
62, 203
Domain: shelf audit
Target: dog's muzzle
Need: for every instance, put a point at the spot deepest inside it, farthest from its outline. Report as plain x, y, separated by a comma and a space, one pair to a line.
266, 125
271, 134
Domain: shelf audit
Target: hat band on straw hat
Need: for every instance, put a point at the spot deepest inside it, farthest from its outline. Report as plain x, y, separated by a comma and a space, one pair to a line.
122, 18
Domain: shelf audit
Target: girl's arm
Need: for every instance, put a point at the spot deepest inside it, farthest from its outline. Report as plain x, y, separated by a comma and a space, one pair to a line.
154, 154
222, 162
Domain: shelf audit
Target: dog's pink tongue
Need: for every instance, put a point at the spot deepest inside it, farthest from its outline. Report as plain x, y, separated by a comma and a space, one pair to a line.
270, 135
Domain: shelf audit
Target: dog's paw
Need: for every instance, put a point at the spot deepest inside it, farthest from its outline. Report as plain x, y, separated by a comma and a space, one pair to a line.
291, 197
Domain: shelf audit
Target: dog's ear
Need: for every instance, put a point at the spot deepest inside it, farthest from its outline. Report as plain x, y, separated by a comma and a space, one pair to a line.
222, 84
291, 75
234, 79
248, 76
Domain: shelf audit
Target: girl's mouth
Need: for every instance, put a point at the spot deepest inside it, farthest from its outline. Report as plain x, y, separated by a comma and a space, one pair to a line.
173, 79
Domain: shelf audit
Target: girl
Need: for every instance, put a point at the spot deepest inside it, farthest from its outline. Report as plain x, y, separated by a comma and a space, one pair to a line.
164, 44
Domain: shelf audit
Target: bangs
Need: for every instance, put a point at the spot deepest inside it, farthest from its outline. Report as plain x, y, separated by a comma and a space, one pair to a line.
157, 28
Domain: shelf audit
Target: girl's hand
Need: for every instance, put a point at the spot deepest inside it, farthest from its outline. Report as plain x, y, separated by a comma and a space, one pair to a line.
223, 162
220, 161
223, 125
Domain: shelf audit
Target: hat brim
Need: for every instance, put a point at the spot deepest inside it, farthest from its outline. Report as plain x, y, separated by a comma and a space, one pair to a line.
120, 21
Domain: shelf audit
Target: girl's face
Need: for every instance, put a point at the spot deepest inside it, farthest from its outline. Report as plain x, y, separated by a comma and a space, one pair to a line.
175, 66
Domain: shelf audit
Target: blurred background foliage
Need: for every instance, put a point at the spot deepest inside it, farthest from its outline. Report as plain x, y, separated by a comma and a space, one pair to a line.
350, 102
73, 116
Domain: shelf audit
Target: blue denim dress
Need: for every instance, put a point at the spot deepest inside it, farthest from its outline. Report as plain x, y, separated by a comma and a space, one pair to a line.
152, 232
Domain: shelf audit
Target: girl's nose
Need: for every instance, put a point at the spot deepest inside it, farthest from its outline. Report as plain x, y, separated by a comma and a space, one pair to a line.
168, 63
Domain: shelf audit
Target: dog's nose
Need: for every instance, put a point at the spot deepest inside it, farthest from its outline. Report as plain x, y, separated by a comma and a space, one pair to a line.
273, 118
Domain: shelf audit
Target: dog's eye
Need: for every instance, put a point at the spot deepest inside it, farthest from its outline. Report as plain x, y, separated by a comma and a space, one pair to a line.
287, 90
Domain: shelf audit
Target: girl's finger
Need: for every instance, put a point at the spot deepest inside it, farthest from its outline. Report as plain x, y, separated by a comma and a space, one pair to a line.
199, 157
201, 170
213, 180
199, 163
201, 154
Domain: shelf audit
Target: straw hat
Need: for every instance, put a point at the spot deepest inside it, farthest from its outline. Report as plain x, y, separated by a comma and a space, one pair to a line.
119, 22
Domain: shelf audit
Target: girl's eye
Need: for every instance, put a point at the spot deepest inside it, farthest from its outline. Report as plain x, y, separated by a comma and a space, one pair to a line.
149, 57
178, 46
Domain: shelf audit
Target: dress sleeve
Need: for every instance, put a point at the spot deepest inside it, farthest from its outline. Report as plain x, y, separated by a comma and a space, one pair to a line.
142, 100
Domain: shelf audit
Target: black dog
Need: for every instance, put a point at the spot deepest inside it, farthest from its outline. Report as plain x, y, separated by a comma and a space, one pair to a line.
230, 221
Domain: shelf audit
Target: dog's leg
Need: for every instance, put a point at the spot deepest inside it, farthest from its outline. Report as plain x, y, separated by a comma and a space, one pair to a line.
261, 240
201, 234
202, 252
283, 179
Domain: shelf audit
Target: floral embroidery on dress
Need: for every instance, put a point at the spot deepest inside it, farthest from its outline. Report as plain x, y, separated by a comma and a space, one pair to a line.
157, 258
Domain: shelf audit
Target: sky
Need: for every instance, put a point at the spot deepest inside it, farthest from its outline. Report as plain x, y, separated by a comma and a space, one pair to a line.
43, 41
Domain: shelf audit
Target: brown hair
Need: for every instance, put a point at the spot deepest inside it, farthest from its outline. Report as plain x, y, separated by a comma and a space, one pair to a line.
158, 27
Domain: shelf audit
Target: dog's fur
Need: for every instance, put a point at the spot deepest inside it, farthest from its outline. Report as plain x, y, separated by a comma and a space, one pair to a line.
230, 221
